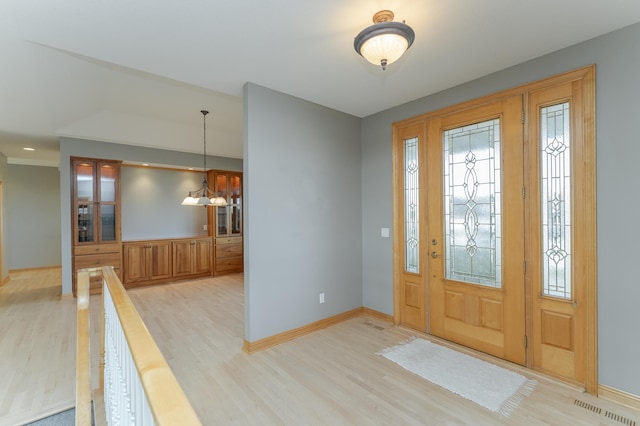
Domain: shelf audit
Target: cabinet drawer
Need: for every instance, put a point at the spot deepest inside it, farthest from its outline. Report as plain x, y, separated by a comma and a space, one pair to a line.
228, 240
97, 260
96, 249
229, 264
228, 250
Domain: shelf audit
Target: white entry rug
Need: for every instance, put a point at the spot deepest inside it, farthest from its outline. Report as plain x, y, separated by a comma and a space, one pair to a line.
488, 385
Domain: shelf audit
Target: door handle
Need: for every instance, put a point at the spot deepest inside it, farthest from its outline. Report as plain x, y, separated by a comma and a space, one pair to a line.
434, 255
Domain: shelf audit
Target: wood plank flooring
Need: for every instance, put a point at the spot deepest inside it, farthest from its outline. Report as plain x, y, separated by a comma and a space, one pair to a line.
37, 347
331, 377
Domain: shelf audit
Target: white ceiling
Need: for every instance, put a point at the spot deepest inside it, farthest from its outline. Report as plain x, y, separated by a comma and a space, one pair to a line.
138, 72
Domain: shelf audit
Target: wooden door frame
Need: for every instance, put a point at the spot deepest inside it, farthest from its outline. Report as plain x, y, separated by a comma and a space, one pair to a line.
589, 230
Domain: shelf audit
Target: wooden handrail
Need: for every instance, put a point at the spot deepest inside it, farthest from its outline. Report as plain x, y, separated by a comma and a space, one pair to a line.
83, 352
167, 401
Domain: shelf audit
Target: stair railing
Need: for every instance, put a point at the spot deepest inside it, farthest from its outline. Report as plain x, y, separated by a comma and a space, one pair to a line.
138, 386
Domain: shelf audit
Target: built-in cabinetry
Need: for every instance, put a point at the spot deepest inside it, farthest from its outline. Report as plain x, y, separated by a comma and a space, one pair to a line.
95, 217
191, 257
226, 223
156, 261
146, 261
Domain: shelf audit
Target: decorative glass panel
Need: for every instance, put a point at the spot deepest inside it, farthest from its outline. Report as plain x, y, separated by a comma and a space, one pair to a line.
236, 205
108, 220
222, 229
411, 206
84, 189
84, 182
107, 183
85, 222
555, 164
221, 220
221, 185
472, 203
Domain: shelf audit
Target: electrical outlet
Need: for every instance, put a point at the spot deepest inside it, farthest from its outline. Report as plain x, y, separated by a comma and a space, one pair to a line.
321, 297
204, 227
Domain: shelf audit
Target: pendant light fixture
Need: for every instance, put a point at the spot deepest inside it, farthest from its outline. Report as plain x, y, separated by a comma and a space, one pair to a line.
204, 196
385, 41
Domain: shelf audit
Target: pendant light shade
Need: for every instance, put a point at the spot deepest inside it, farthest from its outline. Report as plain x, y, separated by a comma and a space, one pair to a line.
203, 196
385, 41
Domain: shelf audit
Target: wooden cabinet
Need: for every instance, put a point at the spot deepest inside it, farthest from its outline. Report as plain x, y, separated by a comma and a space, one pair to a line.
226, 223
228, 255
156, 261
96, 256
95, 216
146, 262
191, 257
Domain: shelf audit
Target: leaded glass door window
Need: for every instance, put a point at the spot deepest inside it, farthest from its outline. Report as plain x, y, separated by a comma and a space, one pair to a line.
412, 206
471, 156
555, 175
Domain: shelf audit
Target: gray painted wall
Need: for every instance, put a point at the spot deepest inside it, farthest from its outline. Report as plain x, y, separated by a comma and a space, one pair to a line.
166, 218
32, 208
618, 148
151, 204
302, 213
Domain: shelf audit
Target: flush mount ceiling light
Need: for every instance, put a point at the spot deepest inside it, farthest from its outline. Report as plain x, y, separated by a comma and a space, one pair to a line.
385, 41
204, 196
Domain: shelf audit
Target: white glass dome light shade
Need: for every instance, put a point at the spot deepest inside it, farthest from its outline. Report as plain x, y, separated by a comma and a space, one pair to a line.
218, 202
384, 48
203, 201
385, 41
189, 201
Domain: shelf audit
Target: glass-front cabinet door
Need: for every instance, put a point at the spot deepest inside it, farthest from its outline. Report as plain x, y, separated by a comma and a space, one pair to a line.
229, 218
108, 197
235, 205
222, 216
95, 201
84, 202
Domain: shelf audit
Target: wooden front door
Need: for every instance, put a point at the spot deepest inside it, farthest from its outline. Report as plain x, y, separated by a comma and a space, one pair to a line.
495, 228
476, 228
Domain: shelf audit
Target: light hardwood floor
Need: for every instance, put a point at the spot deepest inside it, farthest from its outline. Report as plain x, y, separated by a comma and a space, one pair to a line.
331, 377
37, 347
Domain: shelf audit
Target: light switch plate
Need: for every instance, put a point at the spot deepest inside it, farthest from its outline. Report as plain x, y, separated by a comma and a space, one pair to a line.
384, 232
